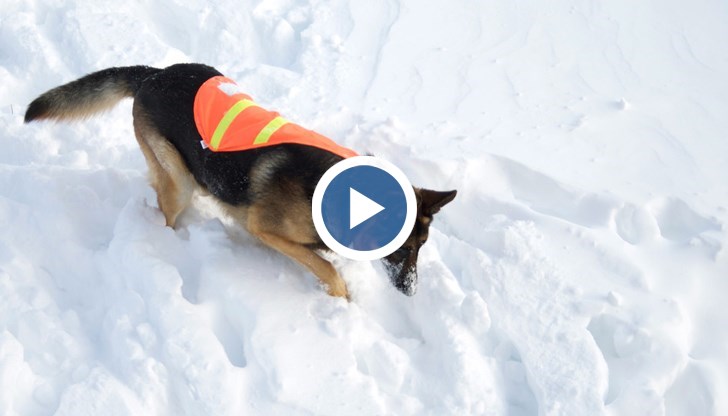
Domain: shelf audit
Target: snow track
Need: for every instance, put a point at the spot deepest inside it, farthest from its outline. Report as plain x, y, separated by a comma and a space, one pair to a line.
581, 269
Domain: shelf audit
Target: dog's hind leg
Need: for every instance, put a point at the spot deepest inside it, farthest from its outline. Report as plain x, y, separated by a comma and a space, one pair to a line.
169, 176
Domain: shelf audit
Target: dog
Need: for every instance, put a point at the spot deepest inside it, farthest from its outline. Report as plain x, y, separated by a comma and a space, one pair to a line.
267, 190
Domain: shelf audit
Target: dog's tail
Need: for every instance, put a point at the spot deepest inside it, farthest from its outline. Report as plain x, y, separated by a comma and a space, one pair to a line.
89, 95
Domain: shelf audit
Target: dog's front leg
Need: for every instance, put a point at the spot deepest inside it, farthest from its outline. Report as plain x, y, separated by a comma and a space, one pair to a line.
288, 228
324, 270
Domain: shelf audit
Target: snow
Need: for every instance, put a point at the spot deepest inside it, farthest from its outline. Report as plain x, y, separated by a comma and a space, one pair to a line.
581, 269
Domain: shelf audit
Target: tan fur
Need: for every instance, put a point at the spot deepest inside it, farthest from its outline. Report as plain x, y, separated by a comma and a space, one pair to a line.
285, 224
168, 173
261, 173
287, 244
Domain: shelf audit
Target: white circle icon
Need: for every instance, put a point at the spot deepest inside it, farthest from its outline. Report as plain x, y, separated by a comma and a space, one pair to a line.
364, 208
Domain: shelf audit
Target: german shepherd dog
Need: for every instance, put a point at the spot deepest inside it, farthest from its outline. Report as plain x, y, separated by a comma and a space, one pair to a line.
267, 190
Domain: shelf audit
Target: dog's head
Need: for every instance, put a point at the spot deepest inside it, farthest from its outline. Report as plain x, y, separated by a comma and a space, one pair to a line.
402, 264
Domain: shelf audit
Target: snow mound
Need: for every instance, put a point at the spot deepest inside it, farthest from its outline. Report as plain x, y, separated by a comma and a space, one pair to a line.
580, 270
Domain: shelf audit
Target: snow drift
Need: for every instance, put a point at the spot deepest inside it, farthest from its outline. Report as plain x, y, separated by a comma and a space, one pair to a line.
581, 270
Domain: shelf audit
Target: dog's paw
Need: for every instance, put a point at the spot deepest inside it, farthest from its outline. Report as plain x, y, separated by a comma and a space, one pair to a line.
338, 289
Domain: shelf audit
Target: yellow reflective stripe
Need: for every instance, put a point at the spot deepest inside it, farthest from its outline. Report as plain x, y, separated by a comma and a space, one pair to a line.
269, 129
227, 120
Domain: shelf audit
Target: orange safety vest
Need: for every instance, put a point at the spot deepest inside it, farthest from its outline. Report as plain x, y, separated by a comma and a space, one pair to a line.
229, 121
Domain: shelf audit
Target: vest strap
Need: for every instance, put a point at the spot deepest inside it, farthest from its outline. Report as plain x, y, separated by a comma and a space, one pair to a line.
227, 120
269, 129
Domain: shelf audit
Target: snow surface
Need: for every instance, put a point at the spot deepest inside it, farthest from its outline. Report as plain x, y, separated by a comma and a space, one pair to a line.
581, 270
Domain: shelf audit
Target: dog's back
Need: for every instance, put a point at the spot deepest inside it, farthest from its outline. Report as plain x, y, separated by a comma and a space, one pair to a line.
167, 99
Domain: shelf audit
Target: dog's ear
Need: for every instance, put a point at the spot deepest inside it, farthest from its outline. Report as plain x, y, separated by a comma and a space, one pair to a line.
432, 201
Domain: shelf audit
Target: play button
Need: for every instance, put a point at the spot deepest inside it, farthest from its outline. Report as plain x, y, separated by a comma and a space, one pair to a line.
364, 208
361, 208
